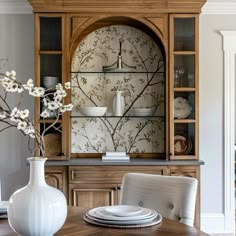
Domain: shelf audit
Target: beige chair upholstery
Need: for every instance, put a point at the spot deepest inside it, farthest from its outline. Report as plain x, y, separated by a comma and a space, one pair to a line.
173, 197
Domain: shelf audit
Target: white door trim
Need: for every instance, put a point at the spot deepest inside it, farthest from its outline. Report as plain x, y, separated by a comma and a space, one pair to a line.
229, 48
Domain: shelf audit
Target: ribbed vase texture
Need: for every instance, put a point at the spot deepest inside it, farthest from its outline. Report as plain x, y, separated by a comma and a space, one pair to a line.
37, 209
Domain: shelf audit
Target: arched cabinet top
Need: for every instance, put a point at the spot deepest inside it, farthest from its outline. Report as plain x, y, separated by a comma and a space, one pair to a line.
156, 27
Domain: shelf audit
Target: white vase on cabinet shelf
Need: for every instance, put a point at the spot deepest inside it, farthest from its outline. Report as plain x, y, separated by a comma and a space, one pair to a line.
118, 104
37, 209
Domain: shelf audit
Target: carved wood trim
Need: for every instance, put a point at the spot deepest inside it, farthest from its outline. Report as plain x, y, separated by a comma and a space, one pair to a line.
147, 6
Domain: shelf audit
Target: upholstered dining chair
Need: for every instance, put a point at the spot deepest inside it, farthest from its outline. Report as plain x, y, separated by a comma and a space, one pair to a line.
173, 197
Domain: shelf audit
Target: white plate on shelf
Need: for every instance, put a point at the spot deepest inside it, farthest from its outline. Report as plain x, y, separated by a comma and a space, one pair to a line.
3, 206
142, 111
101, 213
182, 108
124, 210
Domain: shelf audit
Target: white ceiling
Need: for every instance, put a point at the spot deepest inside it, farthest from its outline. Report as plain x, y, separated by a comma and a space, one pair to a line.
211, 7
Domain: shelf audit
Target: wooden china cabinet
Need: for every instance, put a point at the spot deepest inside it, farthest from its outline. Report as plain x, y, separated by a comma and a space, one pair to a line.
146, 49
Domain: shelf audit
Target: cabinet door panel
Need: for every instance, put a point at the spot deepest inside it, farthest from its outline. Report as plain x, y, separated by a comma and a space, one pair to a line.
184, 171
93, 195
56, 177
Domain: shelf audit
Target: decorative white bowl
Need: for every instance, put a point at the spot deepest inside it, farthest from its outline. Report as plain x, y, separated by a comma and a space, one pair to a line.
93, 111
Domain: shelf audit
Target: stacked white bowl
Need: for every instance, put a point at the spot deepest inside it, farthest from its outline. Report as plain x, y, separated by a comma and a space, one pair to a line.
49, 82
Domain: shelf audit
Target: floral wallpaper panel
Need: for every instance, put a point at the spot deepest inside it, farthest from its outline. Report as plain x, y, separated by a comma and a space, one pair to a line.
142, 86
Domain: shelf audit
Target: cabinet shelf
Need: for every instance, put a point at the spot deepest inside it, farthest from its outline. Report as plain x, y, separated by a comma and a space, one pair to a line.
184, 52
182, 121
183, 157
50, 52
184, 89
48, 121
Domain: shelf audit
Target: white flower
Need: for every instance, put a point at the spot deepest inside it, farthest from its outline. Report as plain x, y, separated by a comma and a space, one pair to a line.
32, 135
29, 129
45, 101
52, 105
30, 83
11, 74
22, 125
45, 114
24, 114
15, 112
15, 115
3, 115
5, 85
39, 91
32, 92
13, 87
62, 108
61, 93
58, 98
20, 89
69, 107
67, 85
59, 87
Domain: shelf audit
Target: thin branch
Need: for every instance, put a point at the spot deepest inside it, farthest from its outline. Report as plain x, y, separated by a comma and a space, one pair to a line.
9, 126
138, 133
90, 99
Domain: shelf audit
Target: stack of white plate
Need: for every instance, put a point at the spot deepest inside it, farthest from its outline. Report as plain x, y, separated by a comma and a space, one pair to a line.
50, 82
142, 111
3, 209
122, 216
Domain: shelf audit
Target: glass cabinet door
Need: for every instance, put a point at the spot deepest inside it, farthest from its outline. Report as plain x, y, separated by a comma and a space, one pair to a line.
183, 86
49, 72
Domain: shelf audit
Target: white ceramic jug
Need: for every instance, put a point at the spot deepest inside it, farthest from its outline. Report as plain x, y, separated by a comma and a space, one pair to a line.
118, 104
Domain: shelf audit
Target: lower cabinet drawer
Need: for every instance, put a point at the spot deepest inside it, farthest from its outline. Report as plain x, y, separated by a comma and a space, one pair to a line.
108, 174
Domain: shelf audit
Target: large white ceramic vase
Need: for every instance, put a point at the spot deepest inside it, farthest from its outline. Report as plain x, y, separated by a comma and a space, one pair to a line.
37, 209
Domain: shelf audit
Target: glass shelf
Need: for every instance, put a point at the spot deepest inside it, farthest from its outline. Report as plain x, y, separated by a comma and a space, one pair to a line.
116, 72
118, 117
184, 89
48, 121
50, 52
184, 121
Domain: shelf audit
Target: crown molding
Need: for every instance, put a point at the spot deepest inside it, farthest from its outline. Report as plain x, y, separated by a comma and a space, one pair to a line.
15, 7
219, 8
23, 7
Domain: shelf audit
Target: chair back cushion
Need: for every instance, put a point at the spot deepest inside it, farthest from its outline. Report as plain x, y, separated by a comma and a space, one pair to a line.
173, 197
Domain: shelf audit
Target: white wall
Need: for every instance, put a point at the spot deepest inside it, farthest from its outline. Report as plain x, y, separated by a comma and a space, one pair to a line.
211, 117
17, 45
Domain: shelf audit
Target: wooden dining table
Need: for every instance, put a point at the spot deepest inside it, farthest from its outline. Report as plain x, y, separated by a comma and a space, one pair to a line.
75, 225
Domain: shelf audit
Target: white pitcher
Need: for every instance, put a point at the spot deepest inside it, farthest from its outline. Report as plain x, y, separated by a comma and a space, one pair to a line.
118, 104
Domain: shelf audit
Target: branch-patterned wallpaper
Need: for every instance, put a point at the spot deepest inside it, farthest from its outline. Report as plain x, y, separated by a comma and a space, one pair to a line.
145, 88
